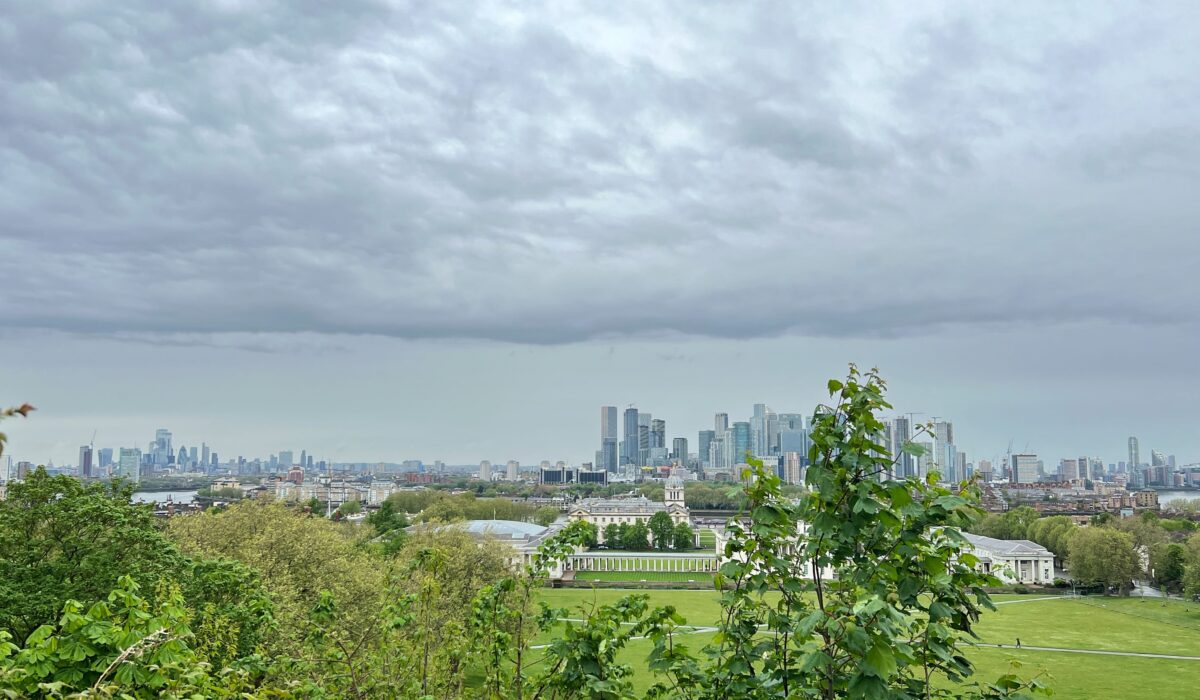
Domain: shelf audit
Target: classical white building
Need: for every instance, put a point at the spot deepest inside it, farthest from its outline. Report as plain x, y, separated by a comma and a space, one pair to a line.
1013, 561
603, 512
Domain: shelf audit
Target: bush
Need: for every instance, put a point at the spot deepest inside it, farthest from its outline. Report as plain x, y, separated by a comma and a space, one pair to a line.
1060, 583
1020, 589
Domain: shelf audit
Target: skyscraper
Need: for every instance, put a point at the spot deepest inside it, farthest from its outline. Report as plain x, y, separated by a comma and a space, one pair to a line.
485, 471
758, 429
160, 452
608, 439
1134, 460
129, 465
679, 448
901, 434
203, 455
85, 462
644, 420
721, 423
703, 442
792, 469
658, 433
741, 442
285, 459
514, 470
629, 447
105, 458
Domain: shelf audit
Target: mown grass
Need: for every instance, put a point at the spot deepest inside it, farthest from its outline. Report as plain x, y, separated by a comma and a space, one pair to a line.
642, 576
1107, 624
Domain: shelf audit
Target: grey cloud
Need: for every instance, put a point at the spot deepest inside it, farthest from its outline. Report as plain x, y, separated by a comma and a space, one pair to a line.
548, 175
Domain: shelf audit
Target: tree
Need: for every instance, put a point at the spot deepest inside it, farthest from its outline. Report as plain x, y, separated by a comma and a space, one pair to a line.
612, 536
1168, 561
684, 537
636, 537
662, 528
545, 515
61, 540
298, 557
1103, 555
124, 647
350, 508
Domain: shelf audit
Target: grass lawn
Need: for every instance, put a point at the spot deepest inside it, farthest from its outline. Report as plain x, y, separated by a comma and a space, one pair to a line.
1111, 624
641, 576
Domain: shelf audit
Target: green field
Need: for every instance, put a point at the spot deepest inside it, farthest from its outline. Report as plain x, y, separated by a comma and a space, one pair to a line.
1128, 625
708, 538
641, 576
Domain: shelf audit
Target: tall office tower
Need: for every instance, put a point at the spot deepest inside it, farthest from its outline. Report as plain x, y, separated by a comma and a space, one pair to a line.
84, 470
129, 464
514, 470
792, 468
703, 442
607, 456
629, 447
303, 458
161, 453
679, 451
193, 459
1133, 455
215, 462
105, 455
485, 471
795, 440
658, 433
985, 470
310, 463
644, 420
285, 459
203, 455
741, 442
1085, 471
1024, 469
901, 434
1068, 470
721, 423
772, 422
181, 460
1157, 459
273, 462
758, 429
717, 458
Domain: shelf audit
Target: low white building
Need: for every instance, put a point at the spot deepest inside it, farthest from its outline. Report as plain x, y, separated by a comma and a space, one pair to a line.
1013, 561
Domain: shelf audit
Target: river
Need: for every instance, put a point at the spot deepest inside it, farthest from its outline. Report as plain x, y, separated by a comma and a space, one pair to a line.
164, 496
1165, 497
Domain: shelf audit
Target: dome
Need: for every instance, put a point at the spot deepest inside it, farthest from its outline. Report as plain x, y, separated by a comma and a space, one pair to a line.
674, 482
506, 529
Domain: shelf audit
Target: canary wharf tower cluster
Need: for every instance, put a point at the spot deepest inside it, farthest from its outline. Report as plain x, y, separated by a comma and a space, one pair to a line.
633, 442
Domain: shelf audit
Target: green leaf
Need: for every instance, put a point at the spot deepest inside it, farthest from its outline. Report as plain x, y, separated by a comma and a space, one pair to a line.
879, 661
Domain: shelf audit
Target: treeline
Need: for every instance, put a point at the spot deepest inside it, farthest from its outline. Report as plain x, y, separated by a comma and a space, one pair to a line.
428, 505
1110, 551
636, 537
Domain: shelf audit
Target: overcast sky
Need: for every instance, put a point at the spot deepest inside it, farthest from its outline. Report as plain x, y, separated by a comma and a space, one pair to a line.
382, 230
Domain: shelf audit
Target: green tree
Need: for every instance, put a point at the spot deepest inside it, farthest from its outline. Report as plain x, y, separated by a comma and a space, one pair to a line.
636, 537
299, 559
662, 529
1168, 562
684, 538
123, 647
612, 536
545, 515
1105, 556
62, 540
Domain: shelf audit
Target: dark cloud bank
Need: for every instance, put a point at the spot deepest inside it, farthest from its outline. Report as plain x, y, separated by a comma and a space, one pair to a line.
541, 174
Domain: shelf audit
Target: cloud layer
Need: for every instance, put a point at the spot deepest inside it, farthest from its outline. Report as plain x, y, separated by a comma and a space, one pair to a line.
544, 174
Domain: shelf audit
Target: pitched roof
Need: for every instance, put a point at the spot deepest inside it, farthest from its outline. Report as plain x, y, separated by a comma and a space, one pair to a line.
1007, 547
